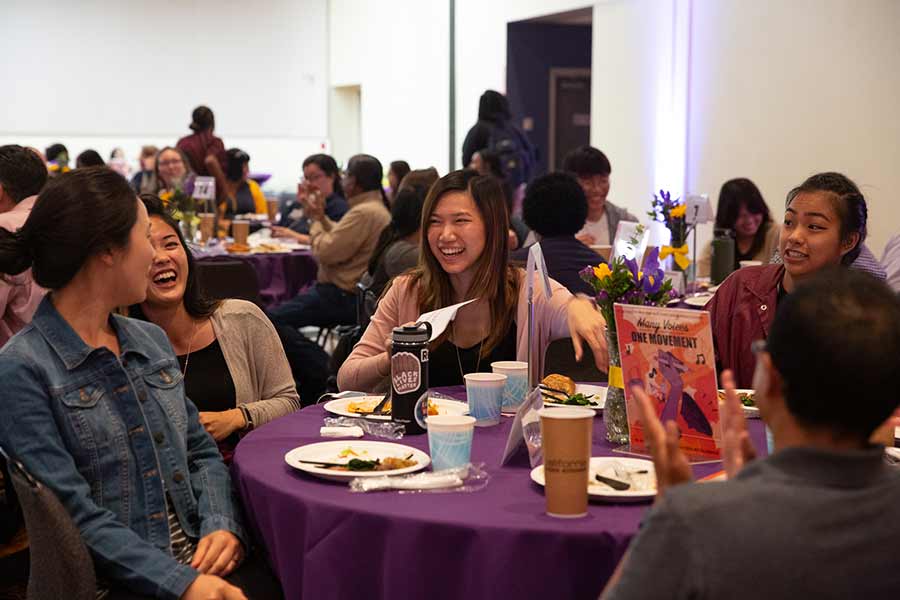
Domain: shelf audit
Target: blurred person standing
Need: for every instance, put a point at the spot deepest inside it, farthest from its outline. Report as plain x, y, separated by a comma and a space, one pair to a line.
205, 151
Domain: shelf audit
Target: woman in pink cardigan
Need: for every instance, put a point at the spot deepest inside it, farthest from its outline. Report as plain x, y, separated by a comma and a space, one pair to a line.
463, 256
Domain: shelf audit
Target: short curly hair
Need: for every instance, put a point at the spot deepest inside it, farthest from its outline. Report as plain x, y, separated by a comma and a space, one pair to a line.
555, 205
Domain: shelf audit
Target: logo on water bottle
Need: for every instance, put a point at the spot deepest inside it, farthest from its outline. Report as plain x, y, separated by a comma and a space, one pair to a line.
406, 372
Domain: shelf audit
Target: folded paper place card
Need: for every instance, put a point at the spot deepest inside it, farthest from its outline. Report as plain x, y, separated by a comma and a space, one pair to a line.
441, 318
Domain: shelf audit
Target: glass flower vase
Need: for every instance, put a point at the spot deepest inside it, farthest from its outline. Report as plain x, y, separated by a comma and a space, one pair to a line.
188, 226
614, 416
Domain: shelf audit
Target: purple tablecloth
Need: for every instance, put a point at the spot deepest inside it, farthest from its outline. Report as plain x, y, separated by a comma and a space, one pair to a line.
281, 276
326, 542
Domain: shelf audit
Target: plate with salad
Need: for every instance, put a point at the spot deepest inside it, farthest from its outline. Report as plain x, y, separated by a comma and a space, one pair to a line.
559, 390
343, 460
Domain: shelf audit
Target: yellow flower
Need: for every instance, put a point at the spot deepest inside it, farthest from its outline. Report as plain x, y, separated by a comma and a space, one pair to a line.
678, 211
602, 271
165, 197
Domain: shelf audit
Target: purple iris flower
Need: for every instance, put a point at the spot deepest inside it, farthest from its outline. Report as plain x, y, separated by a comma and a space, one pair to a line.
189, 186
633, 267
587, 274
652, 281
602, 296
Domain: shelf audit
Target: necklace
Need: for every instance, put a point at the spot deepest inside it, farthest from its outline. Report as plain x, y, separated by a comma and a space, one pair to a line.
459, 360
187, 357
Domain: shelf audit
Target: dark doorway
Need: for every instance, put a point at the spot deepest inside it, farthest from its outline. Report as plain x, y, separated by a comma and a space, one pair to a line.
548, 82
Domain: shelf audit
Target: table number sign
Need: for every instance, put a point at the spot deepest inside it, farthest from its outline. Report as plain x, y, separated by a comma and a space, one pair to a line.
670, 353
630, 241
204, 188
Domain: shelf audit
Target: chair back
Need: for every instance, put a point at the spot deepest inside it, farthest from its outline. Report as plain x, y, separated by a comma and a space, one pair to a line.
61, 566
560, 358
225, 277
366, 303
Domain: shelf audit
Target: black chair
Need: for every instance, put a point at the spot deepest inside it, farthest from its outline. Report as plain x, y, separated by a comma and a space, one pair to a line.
61, 566
224, 277
560, 358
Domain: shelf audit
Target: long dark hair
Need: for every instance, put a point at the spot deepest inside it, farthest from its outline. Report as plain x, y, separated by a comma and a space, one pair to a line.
494, 280
234, 163
406, 219
401, 169
77, 215
736, 193
195, 302
330, 167
848, 203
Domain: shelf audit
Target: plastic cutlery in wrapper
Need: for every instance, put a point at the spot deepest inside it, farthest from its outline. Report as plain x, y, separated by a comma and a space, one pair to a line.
467, 478
382, 429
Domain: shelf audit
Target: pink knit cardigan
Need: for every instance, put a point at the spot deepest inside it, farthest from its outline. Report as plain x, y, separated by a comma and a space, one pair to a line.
399, 306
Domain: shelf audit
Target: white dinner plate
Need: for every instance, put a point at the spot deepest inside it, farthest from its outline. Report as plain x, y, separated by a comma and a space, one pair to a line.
751, 412
698, 300
897, 433
366, 450
606, 465
597, 391
339, 407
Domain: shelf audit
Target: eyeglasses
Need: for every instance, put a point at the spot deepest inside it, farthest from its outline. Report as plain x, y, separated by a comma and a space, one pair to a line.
170, 162
312, 179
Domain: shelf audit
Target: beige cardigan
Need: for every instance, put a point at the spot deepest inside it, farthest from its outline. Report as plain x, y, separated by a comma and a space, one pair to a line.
400, 305
256, 361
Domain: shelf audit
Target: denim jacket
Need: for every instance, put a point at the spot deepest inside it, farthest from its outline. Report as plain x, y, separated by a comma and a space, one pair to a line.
110, 435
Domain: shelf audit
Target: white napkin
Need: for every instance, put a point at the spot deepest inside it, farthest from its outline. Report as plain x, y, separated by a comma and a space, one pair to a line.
335, 432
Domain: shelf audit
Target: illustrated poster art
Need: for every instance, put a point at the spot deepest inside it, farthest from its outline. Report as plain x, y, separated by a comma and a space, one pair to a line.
670, 353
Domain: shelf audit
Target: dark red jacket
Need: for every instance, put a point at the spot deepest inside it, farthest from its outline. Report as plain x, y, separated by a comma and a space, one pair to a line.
742, 312
198, 146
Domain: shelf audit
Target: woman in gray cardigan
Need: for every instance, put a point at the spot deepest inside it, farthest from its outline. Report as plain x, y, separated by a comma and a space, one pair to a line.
232, 360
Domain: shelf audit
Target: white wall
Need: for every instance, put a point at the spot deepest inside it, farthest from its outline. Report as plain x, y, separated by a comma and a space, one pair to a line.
397, 52
97, 73
782, 90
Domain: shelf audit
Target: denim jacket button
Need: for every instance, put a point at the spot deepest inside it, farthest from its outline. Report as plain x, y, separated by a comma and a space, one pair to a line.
159, 436
142, 396
763, 307
178, 476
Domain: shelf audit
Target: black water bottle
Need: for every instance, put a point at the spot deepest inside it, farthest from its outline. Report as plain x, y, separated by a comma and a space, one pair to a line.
409, 376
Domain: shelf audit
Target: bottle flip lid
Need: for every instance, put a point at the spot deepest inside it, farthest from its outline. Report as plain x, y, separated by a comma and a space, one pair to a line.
411, 334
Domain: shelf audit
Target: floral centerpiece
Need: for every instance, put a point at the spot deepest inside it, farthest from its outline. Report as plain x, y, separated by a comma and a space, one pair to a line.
623, 282
180, 201
673, 214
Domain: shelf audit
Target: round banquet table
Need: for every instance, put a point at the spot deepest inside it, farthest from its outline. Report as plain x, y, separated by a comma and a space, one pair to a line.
326, 542
281, 275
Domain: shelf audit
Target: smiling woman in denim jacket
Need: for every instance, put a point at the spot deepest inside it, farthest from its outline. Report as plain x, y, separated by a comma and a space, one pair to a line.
94, 404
